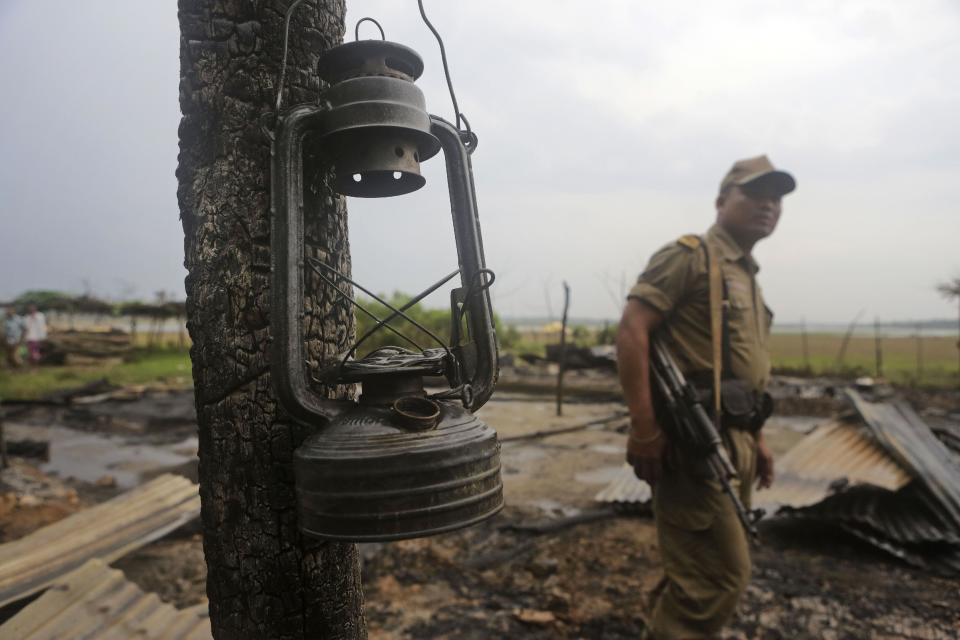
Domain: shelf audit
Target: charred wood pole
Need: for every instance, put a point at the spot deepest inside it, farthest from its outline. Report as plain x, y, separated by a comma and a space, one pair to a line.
263, 579
563, 348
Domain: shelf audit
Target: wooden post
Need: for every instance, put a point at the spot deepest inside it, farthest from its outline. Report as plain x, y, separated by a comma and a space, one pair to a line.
846, 341
919, 340
265, 579
563, 348
878, 347
804, 346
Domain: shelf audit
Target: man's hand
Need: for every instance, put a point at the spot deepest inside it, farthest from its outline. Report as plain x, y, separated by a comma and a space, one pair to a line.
645, 452
646, 442
764, 464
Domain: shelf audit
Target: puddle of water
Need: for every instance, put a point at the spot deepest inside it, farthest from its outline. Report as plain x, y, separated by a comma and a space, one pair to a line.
604, 475
554, 508
89, 456
519, 455
800, 424
607, 448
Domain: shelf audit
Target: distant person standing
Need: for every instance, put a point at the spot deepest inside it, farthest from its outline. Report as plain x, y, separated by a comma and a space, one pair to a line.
13, 335
36, 333
701, 295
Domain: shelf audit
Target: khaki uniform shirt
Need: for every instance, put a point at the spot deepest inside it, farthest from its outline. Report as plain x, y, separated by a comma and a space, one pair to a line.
676, 283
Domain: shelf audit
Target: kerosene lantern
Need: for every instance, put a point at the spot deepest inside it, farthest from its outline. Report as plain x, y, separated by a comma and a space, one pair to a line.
399, 462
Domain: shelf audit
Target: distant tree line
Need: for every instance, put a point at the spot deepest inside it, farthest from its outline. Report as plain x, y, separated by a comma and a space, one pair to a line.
157, 312
61, 302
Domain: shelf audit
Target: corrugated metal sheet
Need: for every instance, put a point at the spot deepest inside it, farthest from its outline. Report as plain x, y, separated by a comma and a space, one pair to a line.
913, 444
902, 523
918, 522
837, 452
626, 490
95, 601
881, 475
107, 531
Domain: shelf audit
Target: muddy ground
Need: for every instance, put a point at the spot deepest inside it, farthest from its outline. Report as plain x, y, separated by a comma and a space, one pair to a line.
507, 577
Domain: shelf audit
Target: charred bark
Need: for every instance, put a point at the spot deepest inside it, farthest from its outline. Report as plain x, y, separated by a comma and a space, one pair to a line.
264, 579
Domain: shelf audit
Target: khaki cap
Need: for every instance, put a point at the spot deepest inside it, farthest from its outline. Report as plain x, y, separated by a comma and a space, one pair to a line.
758, 169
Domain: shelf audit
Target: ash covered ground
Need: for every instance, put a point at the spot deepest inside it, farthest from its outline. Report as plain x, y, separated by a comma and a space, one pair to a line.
516, 575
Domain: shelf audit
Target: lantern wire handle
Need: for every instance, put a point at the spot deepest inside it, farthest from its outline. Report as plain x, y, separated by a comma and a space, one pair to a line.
286, 42
446, 72
471, 291
356, 29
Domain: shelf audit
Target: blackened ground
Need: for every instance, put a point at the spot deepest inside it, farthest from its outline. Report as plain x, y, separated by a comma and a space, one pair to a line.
594, 581
591, 580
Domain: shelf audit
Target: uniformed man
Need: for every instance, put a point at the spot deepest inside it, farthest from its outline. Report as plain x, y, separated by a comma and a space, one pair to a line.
704, 549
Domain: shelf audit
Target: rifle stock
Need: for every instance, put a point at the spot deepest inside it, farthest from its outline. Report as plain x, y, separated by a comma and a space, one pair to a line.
691, 427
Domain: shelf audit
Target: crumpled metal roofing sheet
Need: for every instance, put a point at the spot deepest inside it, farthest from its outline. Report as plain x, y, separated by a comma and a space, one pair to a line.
913, 444
840, 450
903, 523
918, 522
625, 489
107, 531
95, 601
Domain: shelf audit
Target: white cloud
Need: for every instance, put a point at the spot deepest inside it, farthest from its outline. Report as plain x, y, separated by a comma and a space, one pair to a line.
604, 128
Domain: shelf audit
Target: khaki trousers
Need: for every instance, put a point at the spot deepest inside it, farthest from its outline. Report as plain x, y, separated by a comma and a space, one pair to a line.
705, 552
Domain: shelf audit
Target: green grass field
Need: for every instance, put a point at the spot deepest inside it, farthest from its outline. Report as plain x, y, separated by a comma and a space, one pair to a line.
171, 367
936, 366
167, 366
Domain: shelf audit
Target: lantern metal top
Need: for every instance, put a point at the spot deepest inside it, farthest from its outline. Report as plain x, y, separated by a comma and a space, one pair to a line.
375, 130
370, 58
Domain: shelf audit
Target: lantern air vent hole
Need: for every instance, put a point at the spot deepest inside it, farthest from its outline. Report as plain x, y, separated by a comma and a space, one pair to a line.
397, 175
399, 152
357, 177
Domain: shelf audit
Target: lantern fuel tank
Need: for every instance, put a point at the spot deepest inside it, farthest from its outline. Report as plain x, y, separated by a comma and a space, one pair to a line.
389, 469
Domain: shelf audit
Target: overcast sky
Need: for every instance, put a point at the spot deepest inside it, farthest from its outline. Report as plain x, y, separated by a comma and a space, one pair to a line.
604, 130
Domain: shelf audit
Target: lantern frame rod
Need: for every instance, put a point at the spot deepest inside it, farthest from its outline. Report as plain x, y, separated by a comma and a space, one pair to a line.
286, 42
469, 242
478, 361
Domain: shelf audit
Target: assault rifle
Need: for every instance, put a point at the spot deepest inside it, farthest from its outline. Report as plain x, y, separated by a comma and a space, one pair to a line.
691, 428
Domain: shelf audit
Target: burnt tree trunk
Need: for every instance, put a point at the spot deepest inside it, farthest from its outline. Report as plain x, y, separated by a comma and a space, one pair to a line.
264, 580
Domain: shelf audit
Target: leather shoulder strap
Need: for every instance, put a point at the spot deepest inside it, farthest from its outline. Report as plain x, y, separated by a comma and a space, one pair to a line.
716, 322
690, 241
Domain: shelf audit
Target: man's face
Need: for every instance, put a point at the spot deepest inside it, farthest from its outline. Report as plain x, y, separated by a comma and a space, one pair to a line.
749, 211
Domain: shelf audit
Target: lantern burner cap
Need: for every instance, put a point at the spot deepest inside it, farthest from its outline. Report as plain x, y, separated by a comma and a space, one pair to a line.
369, 58
415, 413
